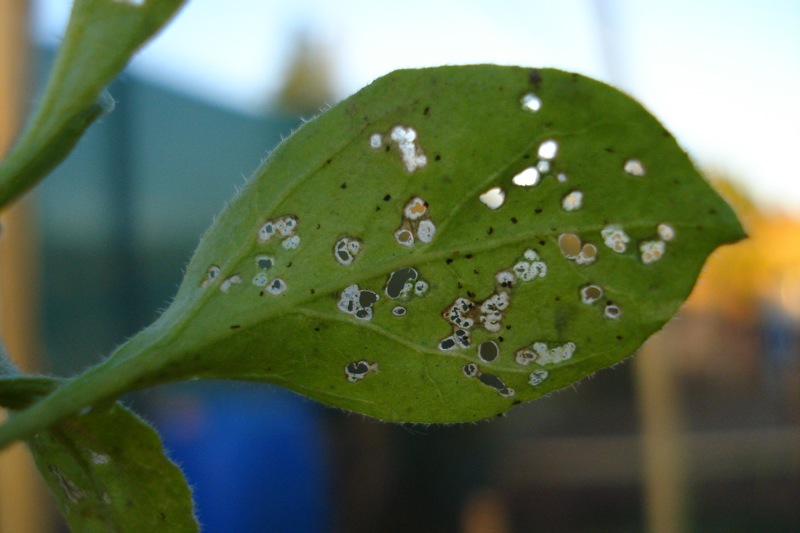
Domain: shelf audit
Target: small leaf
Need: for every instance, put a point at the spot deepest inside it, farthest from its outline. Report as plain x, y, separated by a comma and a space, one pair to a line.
443, 245
106, 468
100, 39
108, 472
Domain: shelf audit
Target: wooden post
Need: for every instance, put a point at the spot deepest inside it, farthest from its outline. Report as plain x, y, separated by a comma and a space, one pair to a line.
663, 454
22, 491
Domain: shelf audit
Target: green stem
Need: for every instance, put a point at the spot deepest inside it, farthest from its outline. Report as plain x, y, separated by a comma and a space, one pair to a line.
120, 373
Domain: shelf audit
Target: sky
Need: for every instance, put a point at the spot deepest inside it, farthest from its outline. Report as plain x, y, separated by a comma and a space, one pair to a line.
722, 75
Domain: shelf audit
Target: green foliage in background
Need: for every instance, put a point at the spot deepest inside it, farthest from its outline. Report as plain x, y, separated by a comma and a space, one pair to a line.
441, 246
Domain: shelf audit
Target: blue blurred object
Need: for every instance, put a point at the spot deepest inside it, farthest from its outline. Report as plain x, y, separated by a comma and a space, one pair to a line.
254, 456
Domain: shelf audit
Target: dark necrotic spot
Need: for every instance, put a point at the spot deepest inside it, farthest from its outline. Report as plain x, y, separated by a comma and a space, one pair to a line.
447, 344
427, 111
514, 220
490, 230
448, 260
357, 368
398, 280
488, 351
471, 294
367, 298
387, 197
538, 210
343, 186
437, 157
235, 326
494, 382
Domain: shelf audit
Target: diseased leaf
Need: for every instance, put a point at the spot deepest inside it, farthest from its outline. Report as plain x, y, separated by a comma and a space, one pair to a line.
443, 245
100, 39
106, 468
109, 473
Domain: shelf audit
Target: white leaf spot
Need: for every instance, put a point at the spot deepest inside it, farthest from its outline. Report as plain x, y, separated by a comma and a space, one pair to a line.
634, 167
227, 284
493, 198
406, 137
548, 149
537, 377
527, 178
425, 231
211, 274
404, 237
276, 286
573, 201
375, 140
260, 280
415, 209
346, 250
531, 102
612, 311
291, 243
591, 293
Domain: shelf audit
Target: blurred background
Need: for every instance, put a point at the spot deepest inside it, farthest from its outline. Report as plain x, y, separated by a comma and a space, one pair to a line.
699, 432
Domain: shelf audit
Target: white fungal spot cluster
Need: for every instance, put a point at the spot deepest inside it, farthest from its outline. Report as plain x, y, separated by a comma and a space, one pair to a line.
531, 176
493, 198
530, 266
358, 370
283, 228
471, 370
572, 201
543, 353
463, 314
404, 283
634, 167
346, 250
652, 251
416, 225
615, 238
376, 140
406, 139
531, 102
666, 232
265, 263
358, 302
212, 273
492, 309
572, 248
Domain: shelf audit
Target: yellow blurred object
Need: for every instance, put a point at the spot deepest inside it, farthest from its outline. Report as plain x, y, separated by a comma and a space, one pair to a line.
763, 269
22, 491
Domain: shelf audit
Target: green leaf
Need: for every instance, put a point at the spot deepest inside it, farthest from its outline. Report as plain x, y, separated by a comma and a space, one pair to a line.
109, 473
300, 281
101, 37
